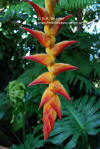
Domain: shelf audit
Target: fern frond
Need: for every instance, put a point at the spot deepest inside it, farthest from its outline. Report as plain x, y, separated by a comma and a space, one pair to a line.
40, 2
75, 4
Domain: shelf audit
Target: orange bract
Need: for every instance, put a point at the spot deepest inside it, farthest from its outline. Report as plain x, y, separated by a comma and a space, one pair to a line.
45, 78
48, 94
44, 39
43, 59
57, 87
57, 25
50, 99
59, 47
41, 12
60, 67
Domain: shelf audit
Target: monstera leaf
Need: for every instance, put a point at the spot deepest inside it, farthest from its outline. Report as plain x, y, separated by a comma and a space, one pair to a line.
80, 119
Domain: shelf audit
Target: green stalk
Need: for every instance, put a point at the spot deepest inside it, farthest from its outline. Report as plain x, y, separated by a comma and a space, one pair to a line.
23, 126
85, 139
88, 146
76, 118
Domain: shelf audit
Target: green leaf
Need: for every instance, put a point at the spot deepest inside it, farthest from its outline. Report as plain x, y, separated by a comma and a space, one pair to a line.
82, 118
32, 141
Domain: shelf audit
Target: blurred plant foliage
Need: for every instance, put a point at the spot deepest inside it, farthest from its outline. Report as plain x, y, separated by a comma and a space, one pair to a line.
11, 19
3, 105
16, 96
24, 103
16, 91
8, 2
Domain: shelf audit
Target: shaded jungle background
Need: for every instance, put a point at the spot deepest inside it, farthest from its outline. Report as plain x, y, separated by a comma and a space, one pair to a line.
20, 119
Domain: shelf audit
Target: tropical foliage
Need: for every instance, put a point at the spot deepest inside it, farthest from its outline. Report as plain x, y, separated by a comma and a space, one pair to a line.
20, 119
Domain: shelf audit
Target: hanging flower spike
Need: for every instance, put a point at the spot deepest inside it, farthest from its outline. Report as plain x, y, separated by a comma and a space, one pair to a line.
50, 100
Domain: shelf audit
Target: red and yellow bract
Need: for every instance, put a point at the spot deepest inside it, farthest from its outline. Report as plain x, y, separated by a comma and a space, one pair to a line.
50, 99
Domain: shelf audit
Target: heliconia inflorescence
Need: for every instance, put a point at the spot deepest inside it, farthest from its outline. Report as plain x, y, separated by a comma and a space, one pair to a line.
50, 99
